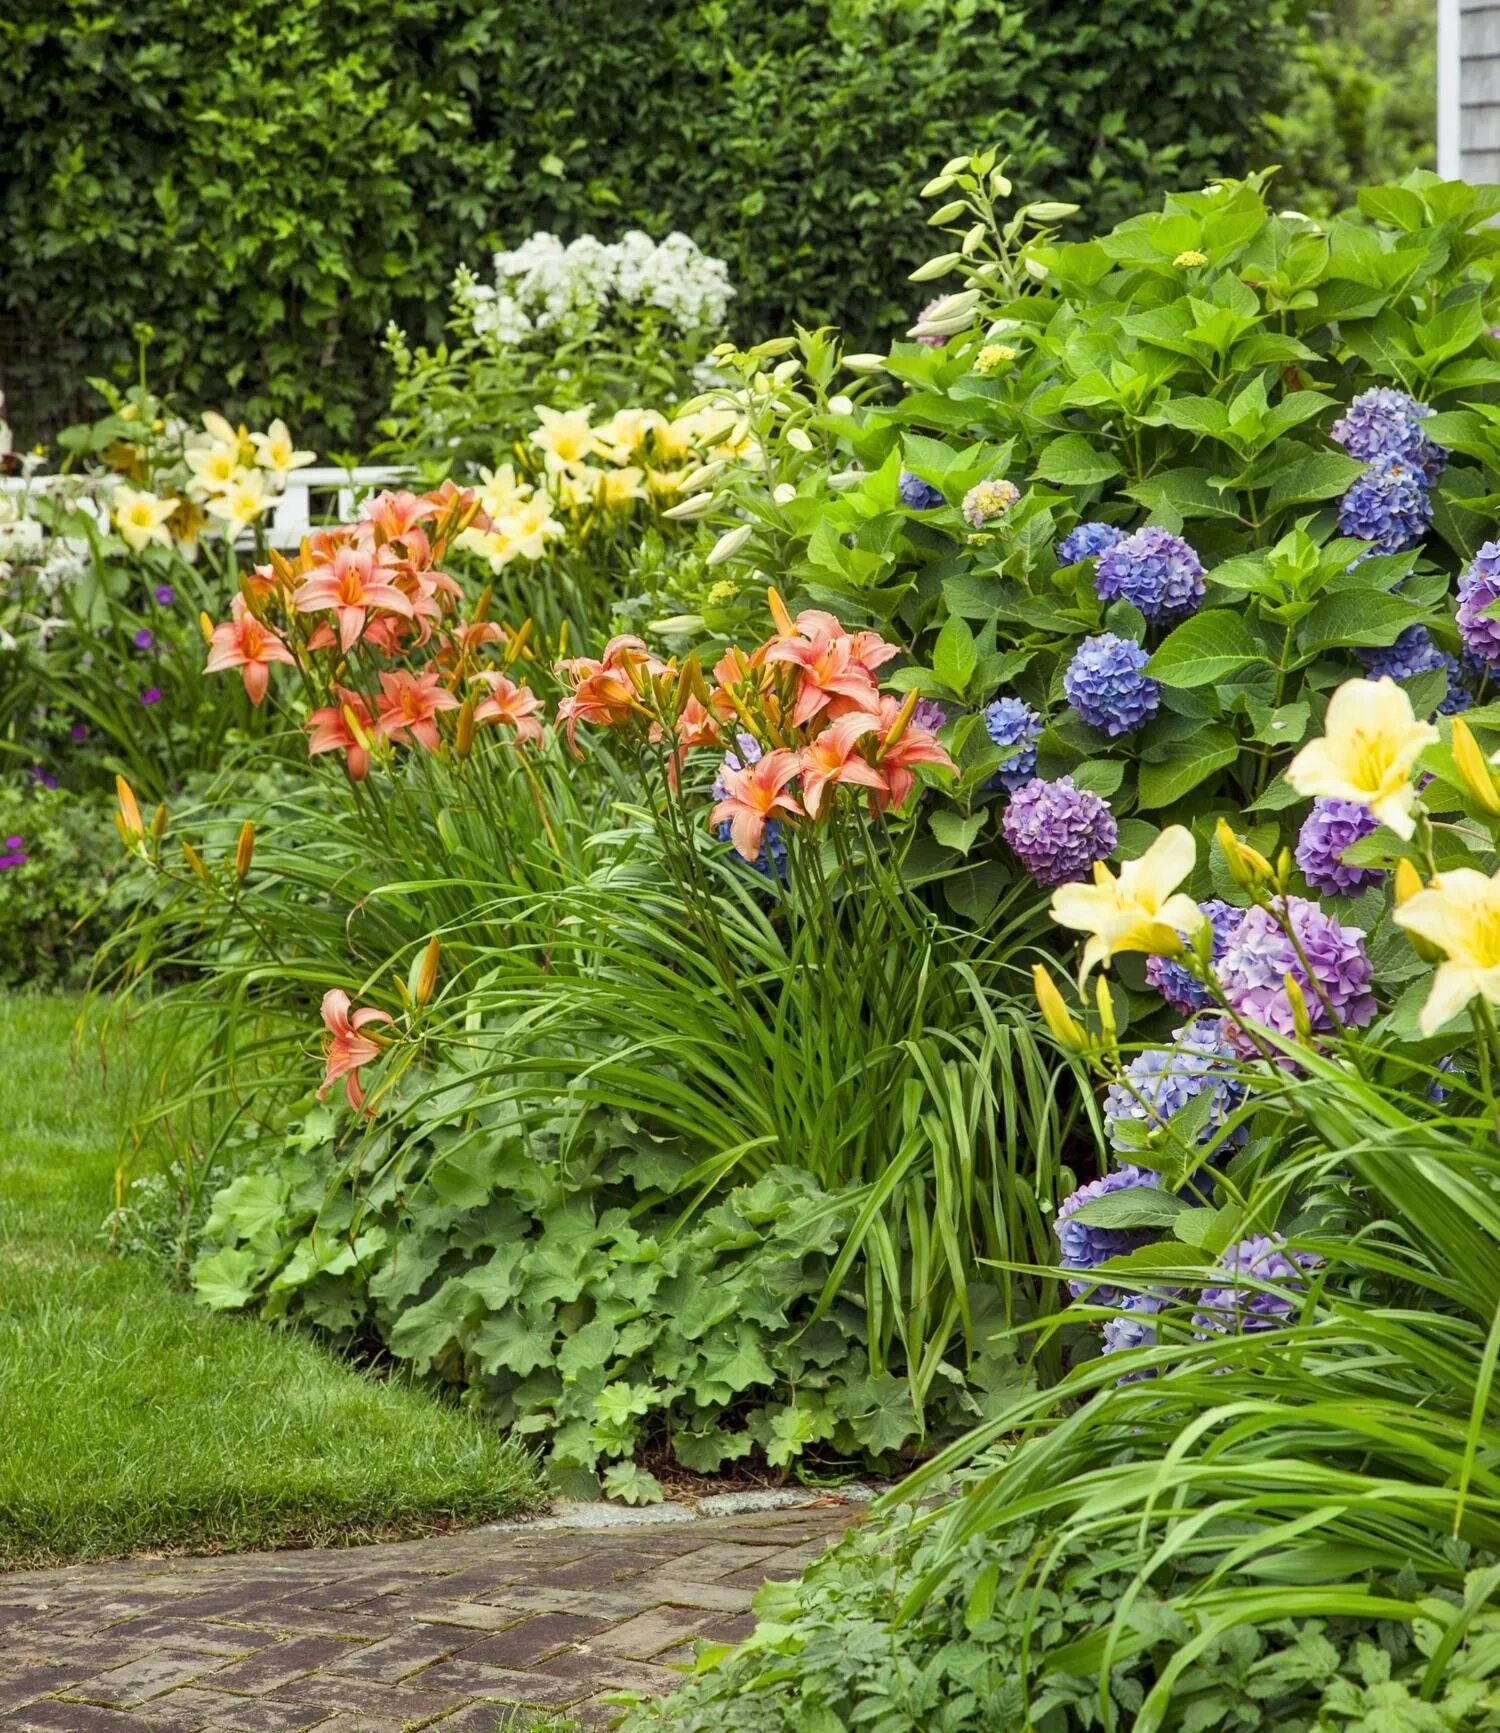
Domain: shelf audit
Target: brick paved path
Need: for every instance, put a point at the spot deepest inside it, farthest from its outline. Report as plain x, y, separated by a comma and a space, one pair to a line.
453, 1632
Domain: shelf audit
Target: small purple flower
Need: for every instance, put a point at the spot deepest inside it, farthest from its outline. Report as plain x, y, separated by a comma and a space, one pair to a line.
1259, 957
1011, 723
1235, 1307
1478, 591
1437, 1091
1387, 506
1181, 989
1153, 569
15, 853
145, 639
1086, 541
1160, 1081
1084, 1248
928, 715
1415, 653
165, 595
1058, 831
1384, 421
918, 495
1326, 832
152, 695
989, 500
79, 732
1105, 685
42, 776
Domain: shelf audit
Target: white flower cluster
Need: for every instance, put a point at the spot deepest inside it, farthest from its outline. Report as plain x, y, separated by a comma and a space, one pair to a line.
544, 283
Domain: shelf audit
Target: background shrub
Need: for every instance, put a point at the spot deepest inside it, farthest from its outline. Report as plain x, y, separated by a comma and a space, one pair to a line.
269, 186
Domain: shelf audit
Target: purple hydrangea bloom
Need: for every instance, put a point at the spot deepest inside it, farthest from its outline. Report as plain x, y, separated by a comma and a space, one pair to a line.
1479, 589
1153, 569
1160, 1082
1387, 506
1326, 832
1010, 722
1415, 653
1182, 990
989, 500
1058, 831
15, 853
928, 715
1086, 541
1259, 957
1383, 420
1084, 1248
1233, 1308
1105, 685
918, 495
1134, 1326
165, 595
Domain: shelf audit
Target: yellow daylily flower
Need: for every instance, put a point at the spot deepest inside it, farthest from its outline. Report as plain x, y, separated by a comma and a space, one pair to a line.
1138, 911
618, 487
141, 518
500, 492
243, 501
221, 432
214, 467
565, 438
1459, 913
1370, 745
276, 451
626, 432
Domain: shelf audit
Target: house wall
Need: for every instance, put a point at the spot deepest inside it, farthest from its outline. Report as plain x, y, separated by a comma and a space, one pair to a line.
1469, 89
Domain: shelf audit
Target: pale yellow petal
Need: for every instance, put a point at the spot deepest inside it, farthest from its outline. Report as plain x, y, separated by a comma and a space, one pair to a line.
1453, 986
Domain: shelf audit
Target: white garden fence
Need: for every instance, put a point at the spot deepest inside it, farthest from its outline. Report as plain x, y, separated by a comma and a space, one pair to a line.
311, 497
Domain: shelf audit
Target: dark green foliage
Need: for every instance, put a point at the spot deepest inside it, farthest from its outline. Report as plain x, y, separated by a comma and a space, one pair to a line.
52, 905
269, 185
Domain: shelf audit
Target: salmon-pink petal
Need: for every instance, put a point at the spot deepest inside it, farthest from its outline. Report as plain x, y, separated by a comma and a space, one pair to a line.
745, 831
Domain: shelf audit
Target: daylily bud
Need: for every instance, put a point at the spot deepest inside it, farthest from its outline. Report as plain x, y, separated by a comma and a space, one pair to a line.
1406, 881
972, 240
1050, 211
562, 638
700, 505
938, 267
773, 347
159, 822
427, 975
206, 627
283, 568
1064, 1027
697, 479
728, 545
865, 363
1297, 999
482, 606
1247, 866
779, 615
1478, 778
194, 860
840, 405
946, 213
798, 439
516, 642
898, 727
244, 851
463, 731
786, 371
130, 813
954, 313
1106, 1006
784, 493
938, 184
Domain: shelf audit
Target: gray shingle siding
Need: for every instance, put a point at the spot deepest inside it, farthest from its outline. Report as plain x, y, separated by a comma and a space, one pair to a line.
1469, 89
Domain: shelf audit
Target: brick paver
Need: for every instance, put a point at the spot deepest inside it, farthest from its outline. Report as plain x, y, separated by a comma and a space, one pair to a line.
453, 1633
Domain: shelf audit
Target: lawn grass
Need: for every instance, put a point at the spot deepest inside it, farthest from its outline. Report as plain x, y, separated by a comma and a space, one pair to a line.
132, 1419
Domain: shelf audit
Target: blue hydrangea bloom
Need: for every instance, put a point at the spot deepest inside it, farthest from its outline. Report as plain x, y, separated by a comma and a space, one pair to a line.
1010, 722
1086, 541
1233, 1308
1153, 569
1415, 653
1182, 990
1134, 1325
1084, 1248
1160, 1082
1478, 590
1387, 506
1105, 685
1329, 828
918, 495
1057, 830
1384, 420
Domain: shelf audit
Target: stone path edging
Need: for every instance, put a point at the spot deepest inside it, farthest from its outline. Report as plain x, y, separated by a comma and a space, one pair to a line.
450, 1632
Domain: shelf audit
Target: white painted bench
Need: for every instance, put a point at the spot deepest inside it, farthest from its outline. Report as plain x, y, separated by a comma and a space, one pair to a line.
311, 497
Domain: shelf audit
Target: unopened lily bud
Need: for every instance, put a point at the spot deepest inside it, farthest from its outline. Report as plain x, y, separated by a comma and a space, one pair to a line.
972, 240
938, 184
784, 493
954, 313
194, 860
463, 731
482, 606
700, 505
773, 347
955, 165
1406, 881
283, 568
798, 439
697, 479
1477, 776
1297, 1000
427, 975
130, 813
865, 363
781, 618
946, 213
244, 851
1000, 187
1248, 867
206, 627
1051, 211
938, 267
840, 405
728, 545
786, 371
903, 717
1106, 1008
159, 822
1063, 1026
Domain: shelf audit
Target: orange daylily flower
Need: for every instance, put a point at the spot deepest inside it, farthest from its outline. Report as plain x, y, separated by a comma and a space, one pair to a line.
911, 745
245, 643
833, 758
515, 706
346, 1050
346, 727
754, 794
352, 583
409, 704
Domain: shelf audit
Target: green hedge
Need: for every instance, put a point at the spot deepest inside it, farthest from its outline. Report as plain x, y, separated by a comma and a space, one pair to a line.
269, 184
